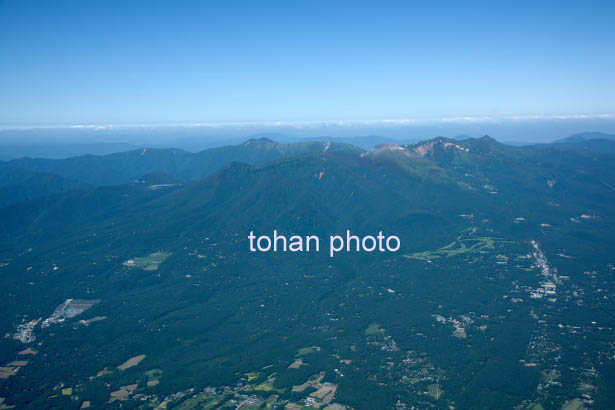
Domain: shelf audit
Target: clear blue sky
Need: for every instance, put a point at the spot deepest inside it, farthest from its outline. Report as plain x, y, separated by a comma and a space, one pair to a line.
101, 62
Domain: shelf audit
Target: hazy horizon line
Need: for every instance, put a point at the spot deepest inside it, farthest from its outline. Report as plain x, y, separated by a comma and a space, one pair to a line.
299, 124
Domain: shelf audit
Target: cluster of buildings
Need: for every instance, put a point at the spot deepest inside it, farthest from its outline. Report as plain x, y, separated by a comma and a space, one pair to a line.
546, 289
25, 332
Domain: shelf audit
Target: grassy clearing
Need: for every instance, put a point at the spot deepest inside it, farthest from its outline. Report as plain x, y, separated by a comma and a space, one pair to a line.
204, 400
104, 372
150, 262
575, 404
434, 391
87, 322
325, 393
304, 351
550, 376
465, 242
296, 364
268, 387
253, 376
132, 362
586, 387
273, 402
154, 374
372, 329
460, 332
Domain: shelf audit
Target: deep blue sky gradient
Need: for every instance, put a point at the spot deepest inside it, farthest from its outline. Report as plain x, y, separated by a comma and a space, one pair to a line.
126, 62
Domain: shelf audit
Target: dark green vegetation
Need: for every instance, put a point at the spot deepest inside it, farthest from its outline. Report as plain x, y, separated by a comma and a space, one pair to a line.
20, 146
19, 185
126, 167
507, 302
590, 141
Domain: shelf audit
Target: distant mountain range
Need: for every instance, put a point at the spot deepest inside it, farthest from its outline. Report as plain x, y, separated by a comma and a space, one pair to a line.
125, 167
590, 141
584, 136
29, 178
473, 168
365, 142
34, 145
60, 150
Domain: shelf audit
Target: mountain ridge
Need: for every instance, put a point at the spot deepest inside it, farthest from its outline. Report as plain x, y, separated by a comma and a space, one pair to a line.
125, 167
